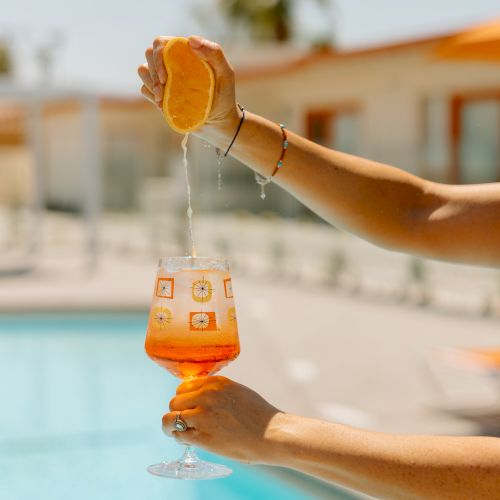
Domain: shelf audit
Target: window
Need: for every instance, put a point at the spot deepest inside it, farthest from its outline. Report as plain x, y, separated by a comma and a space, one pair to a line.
477, 139
436, 139
337, 129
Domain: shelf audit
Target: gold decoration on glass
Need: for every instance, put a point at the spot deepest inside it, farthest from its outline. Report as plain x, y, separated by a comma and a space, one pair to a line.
231, 314
161, 317
202, 290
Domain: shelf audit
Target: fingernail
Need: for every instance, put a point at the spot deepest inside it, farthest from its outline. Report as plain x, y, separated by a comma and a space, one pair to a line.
162, 76
195, 41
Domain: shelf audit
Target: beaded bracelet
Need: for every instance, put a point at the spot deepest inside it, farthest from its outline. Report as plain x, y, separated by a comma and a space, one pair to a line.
264, 181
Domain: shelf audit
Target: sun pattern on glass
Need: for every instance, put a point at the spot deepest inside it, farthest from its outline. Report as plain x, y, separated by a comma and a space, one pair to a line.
202, 290
161, 316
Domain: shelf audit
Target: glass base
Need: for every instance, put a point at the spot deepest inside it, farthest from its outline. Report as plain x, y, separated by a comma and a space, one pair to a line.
189, 467
196, 471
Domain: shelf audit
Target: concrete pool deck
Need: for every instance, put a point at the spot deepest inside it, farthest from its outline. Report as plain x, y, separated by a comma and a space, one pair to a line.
310, 350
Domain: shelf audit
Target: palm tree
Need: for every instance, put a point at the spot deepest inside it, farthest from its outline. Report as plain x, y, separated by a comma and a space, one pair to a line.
265, 19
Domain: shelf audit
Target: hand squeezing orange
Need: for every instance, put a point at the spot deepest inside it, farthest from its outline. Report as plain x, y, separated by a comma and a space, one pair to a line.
189, 90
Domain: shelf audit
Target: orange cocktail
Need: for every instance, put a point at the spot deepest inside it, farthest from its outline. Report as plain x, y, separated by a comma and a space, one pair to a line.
192, 330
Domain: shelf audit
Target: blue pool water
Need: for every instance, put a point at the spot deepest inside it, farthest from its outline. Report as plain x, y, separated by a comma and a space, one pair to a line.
80, 418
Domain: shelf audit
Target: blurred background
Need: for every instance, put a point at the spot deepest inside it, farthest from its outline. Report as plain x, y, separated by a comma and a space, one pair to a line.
92, 192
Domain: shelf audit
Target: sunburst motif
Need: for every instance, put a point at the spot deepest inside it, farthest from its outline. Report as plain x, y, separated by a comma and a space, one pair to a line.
202, 290
204, 321
231, 314
200, 320
161, 316
165, 288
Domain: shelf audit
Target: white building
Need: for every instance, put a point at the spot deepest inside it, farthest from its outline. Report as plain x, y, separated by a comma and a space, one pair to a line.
397, 104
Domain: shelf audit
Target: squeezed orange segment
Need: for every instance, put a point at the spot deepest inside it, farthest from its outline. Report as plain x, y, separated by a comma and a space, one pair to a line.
189, 90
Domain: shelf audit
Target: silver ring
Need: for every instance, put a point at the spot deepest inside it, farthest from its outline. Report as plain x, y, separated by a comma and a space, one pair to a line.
179, 424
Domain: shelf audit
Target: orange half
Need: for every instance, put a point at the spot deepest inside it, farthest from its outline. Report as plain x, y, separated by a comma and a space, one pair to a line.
189, 90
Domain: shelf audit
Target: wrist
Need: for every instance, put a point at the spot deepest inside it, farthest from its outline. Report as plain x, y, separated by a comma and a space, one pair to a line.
219, 133
278, 439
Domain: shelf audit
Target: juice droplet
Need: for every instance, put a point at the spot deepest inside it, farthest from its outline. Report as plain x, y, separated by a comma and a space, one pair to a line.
219, 178
262, 182
219, 169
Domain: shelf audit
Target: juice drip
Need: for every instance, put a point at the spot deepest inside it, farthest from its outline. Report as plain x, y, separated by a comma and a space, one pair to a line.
262, 182
220, 158
219, 174
188, 186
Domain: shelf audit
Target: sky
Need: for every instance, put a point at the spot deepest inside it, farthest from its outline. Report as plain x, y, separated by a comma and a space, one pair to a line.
100, 43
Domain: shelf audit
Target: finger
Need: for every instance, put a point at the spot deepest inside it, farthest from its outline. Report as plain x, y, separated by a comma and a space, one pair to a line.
186, 438
157, 86
216, 381
149, 96
158, 45
212, 53
186, 401
188, 416
191, 385
145, 76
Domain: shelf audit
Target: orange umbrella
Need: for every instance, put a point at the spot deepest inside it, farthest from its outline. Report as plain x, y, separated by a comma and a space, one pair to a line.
481, 43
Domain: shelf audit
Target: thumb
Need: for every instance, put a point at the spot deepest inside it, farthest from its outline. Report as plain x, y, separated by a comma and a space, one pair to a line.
212, 53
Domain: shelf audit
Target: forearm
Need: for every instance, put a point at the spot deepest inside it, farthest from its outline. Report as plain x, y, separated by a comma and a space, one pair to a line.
385, 465
375, 201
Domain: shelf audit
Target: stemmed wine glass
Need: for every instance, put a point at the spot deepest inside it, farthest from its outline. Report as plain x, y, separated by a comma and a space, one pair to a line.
192, 332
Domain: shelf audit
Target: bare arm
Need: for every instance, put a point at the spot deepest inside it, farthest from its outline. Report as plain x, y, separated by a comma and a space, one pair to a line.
232, 420
383, 204
389, 465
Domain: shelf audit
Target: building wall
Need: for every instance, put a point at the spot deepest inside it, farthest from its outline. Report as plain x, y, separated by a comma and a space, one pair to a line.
16, 176
404, 99
64, 157
391, 89
135, 144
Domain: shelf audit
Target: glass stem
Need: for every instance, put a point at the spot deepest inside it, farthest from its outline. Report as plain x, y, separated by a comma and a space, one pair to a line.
190, 457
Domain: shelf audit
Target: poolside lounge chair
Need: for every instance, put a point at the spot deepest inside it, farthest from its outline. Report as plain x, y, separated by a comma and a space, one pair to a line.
467, 384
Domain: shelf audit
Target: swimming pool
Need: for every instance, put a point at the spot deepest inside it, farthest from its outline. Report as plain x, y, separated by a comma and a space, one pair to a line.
81, 412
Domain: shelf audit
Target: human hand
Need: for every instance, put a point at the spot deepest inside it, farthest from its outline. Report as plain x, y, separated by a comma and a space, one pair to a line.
225, 418
224, 116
